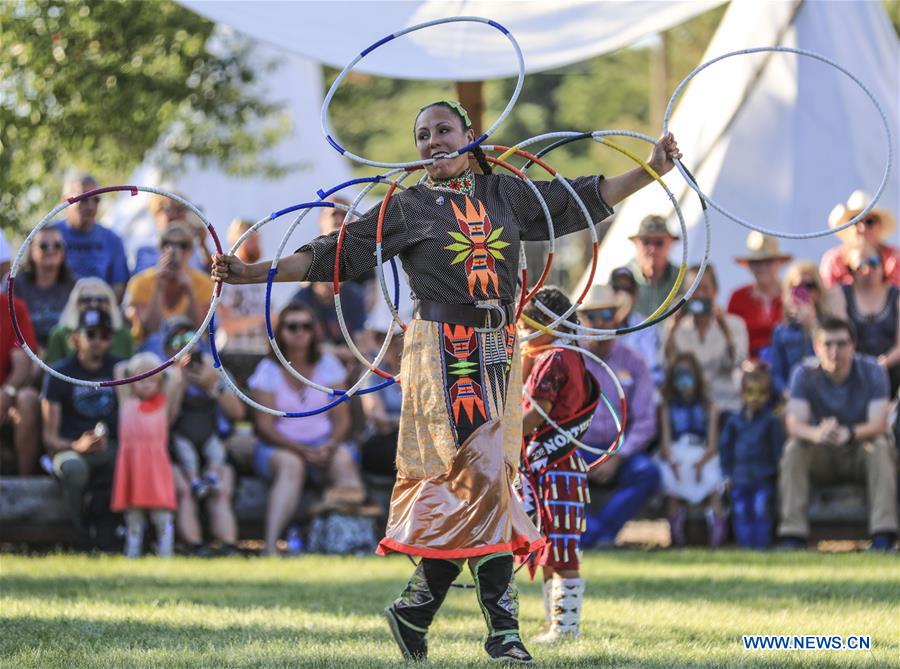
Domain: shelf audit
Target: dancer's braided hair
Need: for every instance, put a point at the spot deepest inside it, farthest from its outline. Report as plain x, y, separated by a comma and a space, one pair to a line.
483, 163
554, 299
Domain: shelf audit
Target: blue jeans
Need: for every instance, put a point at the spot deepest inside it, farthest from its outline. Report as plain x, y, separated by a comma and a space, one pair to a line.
637, 480
752, 515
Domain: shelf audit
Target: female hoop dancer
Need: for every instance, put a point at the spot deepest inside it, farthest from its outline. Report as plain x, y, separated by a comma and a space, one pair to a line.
458, 237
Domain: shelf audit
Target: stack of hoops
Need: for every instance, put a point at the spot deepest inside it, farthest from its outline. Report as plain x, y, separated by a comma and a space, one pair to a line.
394, 178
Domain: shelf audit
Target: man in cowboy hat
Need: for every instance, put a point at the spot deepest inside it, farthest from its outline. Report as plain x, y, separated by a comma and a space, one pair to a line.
651, 267
759, 303
874, 229
631, 475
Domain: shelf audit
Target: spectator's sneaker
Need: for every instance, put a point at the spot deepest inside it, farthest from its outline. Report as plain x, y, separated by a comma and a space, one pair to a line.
411, 640
508, 648
211, 481
201, 551
199, 488
792, 544
882, 541
228, 550
47, 464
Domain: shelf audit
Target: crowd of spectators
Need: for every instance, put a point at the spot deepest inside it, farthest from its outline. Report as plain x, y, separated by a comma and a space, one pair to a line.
736, 409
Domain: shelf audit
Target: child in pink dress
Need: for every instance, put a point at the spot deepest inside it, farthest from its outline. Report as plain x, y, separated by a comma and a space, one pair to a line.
143, 482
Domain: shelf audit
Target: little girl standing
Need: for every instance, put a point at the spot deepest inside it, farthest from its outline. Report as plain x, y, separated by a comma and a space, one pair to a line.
143, 482
689, 428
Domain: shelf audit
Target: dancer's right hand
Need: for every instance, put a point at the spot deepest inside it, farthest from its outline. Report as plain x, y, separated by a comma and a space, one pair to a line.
229, 269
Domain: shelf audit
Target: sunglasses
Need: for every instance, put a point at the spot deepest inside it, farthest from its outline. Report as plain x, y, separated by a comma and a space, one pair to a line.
871, 261
605, 314
180, 340
296, 326
51, 246
98, 333
658, 242
90, 200
869, 221
93, 299
168, 243
808, 285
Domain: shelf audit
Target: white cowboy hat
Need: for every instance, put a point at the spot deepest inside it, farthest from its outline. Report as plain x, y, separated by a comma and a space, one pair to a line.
855, 204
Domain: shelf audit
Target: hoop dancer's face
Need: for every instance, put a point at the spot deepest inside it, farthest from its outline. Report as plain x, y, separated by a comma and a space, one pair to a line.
439, 130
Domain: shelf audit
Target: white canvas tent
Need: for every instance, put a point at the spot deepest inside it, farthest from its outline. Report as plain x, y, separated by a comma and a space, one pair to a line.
778, 139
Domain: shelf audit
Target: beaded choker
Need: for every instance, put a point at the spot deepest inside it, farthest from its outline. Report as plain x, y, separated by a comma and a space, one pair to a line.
464, 183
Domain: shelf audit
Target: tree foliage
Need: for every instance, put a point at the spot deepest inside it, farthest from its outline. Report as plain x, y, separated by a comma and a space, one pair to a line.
96, 84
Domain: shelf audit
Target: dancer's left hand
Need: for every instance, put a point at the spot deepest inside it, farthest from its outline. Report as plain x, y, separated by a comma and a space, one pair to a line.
665, 153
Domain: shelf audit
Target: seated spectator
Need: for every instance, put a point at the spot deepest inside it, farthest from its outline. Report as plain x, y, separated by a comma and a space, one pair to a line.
749, 450
206, 412
631, 474
44, 283
172, 288
646, 341
878, 226
241, 335
92, 249
382, 409
688, 450
19, 402
166, 211
837, 424
288, 448
90, 293
759, 303
80, 422
805, 304
718, 340
651, 267
872, 305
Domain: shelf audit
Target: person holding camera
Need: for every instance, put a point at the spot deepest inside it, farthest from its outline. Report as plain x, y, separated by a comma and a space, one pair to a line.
717, 339
171, 288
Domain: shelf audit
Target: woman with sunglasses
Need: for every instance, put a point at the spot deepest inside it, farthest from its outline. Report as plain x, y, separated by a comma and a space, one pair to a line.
805, 304
171, 288
872, 304
45, 282
290, 449
458, 235
165, 212
88, 293
874, 229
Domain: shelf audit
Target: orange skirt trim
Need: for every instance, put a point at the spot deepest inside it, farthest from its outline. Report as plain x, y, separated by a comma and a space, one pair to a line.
520, 545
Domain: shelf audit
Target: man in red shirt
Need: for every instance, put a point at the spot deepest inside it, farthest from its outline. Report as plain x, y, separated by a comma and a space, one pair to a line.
19, 402
759, 303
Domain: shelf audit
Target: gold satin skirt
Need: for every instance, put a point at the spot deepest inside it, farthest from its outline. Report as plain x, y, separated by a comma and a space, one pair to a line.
459, 446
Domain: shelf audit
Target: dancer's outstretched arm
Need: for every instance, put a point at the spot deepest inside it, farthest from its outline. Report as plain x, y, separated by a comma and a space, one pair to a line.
231, 269
662, 160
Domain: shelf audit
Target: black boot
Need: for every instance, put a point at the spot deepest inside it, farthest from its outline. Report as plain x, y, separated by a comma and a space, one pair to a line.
412, 612
499, 600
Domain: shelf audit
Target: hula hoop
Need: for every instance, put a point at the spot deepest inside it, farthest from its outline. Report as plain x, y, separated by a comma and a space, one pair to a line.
273, 271
49, 218
734, 217
604, 453
600, 136
661, 313
326, 129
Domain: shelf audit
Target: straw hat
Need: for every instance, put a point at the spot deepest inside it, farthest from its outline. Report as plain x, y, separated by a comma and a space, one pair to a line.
762, 247
653, 226
602, 296
855, 204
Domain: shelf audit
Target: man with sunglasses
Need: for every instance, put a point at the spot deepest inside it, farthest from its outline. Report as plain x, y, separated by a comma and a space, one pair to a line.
651, 267
630, 477
80, 422
837, 424
92, 249
171, 288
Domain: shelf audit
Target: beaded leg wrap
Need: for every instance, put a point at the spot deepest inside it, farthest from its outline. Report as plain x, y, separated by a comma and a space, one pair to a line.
499, 600
412, 612
566, 598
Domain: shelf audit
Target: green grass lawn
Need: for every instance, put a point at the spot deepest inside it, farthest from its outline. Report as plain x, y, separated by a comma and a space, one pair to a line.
643, 609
